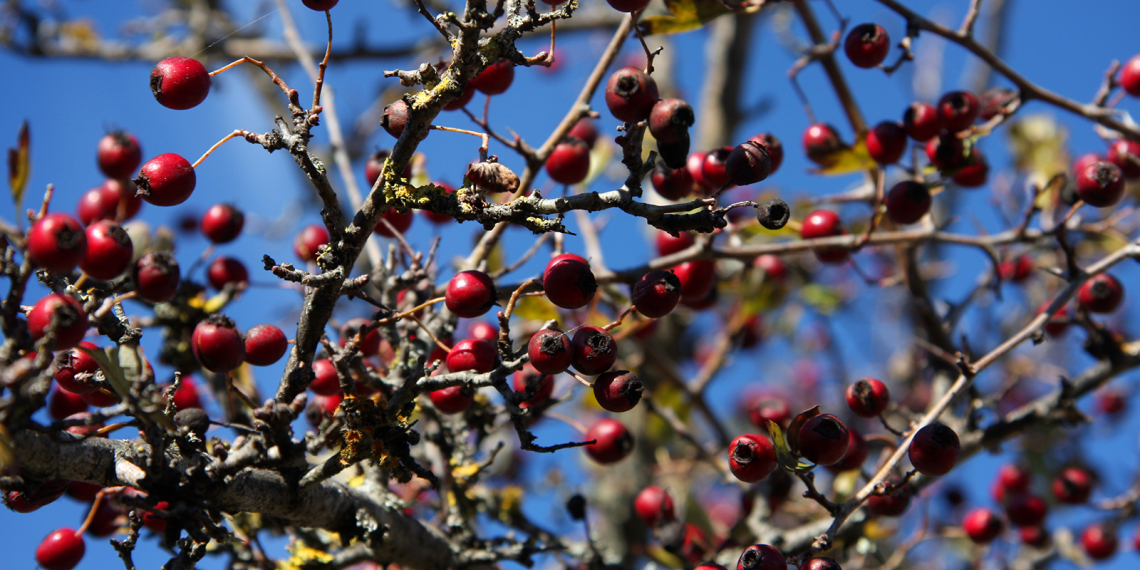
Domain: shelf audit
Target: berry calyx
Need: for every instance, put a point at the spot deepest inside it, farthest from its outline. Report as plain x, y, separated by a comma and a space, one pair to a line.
218, 345
569, 284
656, 294
398, 223
631, 94
477, 355
957, 110
934, 450
823, 439
57, 243
618, 391
822, 224
821, 144
613, 441
550, 351
751, 457
179, 83
868, 397
222, 223
452, 400
496, 78
908, 201
470, 294
264, 345
595, 351
748, 163
118, 154
982, 525
1100, 294
1099, 541
226, 270
156, 276
1100, 184
569, 162
1072, 486
653, 505
867, 45
761, 557
166, 180
309, 241
61, 550
886, 143
325, 382
70, 321
670, 119
921, 121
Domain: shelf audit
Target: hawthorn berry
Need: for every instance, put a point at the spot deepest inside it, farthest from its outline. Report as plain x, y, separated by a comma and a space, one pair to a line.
584, 130
1034, 536
156, 276
761, 557
710, 566
399, 221
218, 345
671, 183
550, 351
73, 362
560, 258
748, 163
100, 398
957, 110
751, 457
618, 391
569, 284
477, 355
921, 121
1058, 322
945, 151
470, 294
656, 294
697, 278
320, 5
62, 404
453, 399
982, 525
668, 244
1012, 479
166, 180
325, 382
109, 250
695, 165
1125, 154
653, 505
496, 78
908, 201
179, 83
1130, 76
47, 493
1017, 269
57, 243
1100, 294
631, 94
1100, 184
820, 564
595, 351
222, 223
892, 505
226, 270
1025, 509
186, 396
1099, 541
821, 144
974, 172
70, 321
823, 224
823, 439
868, 397
105, 202
701, 303
670, 119
395, 117
462, 100
61, 550
1084, 160
569, 162
118, 154
1072, 486
309, 241
771, 266
628, 6
530, 381
774, 147
867, 45
934, 450
264, 345
886, 143
613, 441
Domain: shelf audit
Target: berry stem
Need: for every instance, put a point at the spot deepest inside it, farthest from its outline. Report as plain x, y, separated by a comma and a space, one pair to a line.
237, 133
483, 148
79, 282
619, 319
320, 82
649, 55
431, 335
241, 395
291, 94
91, 513
410, 312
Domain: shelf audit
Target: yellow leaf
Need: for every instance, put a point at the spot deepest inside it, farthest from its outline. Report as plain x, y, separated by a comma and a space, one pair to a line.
850, 159
685, 15
535, 309
19, 165
495, 257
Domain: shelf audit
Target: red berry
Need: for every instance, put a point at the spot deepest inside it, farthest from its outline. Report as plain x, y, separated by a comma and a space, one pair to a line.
957, 110
821, 144
440, 218
771, 266
309, 241
908, 201
769, 408
1017, 269
461, 101
671, 183
109, 251
118, 154
477, 355
618, 391
320, 5
761, 557
166, 180
218, 345
69, 318
822, 224
945, 151
1084, 160
867, 45
61, 550
100, 398
105, 201
751, 457
74, 362
83, 492
893, 505
628, 6
886, 143
1130, 76
631, 94
697, 278
540, 386
156, 276
695, 165
57, 243
982, 525
569, 162
1099, 541
226, 270
62, 404
653, 505
820, 564
153, 522
868, 397
1026, 510
656, 294
1100, 184
264, 345
374, 167
550, 351
1125, 154
470, 294
179, 83
670, 119
668, 244
569, 284
186, 396
395, 117
1110, 402
452, 400
369, 345
1058, 322
1100, 294
326, 382
595, 351
748, 163
496, 78
1033, 536
560, 258
1012, 479
774, 147
1072, 486
921, 121
400, 222
613, 441
974, 173
823, 439
222, 223
934, 450
584, 130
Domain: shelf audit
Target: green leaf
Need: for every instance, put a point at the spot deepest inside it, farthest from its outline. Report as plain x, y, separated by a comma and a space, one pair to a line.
784, 454
686, 15
821, 297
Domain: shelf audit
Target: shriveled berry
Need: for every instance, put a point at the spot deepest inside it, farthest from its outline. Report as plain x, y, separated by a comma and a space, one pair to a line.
823, 224
569, 162
822, 144
945, 151
73, 362
774, 147
697, 278
1100, 184
476, 355
1125, 154
921, 121
118, 154
656, 294
618, 391
668, 244
868, 397
773, 213
325, 382
751, 457
395, 117
452, 400
631, 94
886, 143
908, 201
934, 450
264, 345
166, 180
1099, 541
156, 276
670, 119
613, 441
569, 284
61, 550
823, 439
974, 172
748, 163
309, 241
892, 505
397, 223
1100, 294
470, 294
550, 351
761, 557
671, 183
70, 321
226, 270
595, 351
867, 45
1026, 510
982, 525
218, 345
496, 78
493, 177
957, 110
57, 243
179, 83
653, 505
222, 223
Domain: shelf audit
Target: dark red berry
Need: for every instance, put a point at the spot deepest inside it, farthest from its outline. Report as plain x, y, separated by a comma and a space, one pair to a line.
710, 566
105, 202
656, 294
761, 557
982, 525
769, 408
186, 396
671, 183
631, 94
774, 147
74, 362
1130, 76
653, 505
100, 398
452, 400
118, 154
1058, 321
218, 345
398, 223
934, 450
771, 266
1026, 510
477, 355
697, 278
539, 386
824, 224
628, 6
1017, 269
325, 382
1125, 154
584, 130
470, 294
222, 223
886, 143
892, 505
156, 276
569, 162
61, 550
62, 404
921, 121
957, 110
550, 351
496, 78
47, 493
569, 284
701, 303
560, 258
370, 344
1100, 184
1011, 480
867, 45
595, 351
264, 345
309, 241
179, 83
70, 321
974, 172
695, 165
57, 243
482, 330
226, 270
670, 119
395, 117
668, 244
820, 564
945, 151
154, 522
823, 439
613, 441
320, 5
748, 163
1100, 294
1072, 486
1099, 541
1033, 536
461, 101
908, 201
868, 397
166, 180
751, 457
822, 144
618, 391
